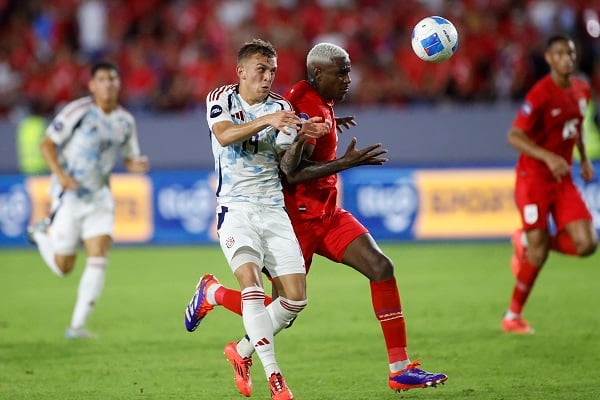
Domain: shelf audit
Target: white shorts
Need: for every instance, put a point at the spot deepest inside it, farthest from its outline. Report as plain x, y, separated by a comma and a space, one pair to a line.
76, 219
264, 231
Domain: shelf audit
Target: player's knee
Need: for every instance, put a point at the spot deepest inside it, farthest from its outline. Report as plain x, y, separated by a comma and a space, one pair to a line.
65, 263
537, 255
294, 307
381, 269
586, 248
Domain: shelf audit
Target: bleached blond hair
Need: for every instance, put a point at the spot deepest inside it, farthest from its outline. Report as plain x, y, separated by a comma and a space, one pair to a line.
324, 53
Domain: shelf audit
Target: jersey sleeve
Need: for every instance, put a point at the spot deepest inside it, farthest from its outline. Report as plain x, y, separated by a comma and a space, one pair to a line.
217, 107
530, 112
131, 146
62, 126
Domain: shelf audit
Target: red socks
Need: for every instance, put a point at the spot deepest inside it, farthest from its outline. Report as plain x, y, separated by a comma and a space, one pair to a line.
232, 299
525, 280
388, 310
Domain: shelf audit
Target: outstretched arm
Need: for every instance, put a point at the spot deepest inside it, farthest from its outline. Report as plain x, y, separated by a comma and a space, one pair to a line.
298, 168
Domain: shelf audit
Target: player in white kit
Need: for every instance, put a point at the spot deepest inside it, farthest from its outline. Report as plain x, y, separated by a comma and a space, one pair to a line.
81, 147
254, 229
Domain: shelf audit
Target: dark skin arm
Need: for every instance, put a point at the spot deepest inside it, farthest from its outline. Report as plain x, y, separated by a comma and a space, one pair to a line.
297, 167
587, 169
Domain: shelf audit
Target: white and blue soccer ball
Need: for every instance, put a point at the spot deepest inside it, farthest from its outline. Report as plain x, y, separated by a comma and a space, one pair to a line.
434, 39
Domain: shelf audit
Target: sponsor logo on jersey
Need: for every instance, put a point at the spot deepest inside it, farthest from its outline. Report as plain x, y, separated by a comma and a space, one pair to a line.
555, 111
215, 111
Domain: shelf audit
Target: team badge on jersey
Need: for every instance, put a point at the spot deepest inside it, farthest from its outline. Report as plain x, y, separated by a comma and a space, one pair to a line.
215, 111
229, 242
57, 125
526, 109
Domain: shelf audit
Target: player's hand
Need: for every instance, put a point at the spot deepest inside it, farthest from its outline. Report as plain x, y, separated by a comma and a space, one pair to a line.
368, 156
314, 128
138, 165
557, 165
67, 182
344, 122
587, 170
281, 120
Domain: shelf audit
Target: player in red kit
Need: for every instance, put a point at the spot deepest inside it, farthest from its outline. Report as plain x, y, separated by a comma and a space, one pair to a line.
322, 227
545, 131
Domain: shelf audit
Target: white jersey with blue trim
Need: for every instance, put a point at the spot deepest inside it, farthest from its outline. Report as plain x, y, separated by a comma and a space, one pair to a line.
246, 171
89, 143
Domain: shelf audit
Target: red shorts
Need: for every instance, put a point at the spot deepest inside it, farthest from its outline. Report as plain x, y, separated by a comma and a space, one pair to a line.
536, 199
327, 236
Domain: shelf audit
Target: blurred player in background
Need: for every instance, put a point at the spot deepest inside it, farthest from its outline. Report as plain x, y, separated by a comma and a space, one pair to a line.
254, 229
545, 131
322, 227
81, 148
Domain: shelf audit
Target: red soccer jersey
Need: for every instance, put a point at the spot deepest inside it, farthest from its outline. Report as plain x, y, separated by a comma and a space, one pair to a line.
552, 118
316, 197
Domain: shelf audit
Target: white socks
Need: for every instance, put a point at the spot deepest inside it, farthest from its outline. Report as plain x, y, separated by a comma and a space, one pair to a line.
281, 311
90, 287
44, 245
259, 327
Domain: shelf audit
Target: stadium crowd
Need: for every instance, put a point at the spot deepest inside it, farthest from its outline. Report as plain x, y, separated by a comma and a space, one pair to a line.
171, 52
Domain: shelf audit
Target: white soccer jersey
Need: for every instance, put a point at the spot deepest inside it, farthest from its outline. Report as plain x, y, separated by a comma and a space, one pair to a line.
90, 141
247, 171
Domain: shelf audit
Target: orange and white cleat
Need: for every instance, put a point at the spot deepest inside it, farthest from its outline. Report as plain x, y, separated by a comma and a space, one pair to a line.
279, 389
241, 369
517, 325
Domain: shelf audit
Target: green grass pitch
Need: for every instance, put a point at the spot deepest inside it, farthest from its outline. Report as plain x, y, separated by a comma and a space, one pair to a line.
453, 296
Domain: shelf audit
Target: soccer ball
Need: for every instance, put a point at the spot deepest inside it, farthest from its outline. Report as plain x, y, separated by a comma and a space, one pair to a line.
434, 39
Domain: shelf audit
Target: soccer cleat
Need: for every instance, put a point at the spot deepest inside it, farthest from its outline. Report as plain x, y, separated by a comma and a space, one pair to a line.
198, 307
279, 389
412, 377
519, 252
79, 333
40, 226
517, 325
241, 369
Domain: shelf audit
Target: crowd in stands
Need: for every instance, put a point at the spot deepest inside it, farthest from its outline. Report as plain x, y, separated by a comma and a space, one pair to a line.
172, 52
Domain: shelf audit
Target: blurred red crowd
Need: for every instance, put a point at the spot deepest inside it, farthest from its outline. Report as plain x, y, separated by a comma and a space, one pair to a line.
172, 52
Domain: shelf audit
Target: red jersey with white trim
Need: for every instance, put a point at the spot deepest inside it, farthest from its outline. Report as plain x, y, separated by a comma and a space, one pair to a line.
316, 197
552, 117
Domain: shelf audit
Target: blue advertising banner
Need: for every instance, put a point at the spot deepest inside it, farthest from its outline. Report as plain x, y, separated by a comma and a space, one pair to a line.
184, 207
178, 207
385, 200
15, 210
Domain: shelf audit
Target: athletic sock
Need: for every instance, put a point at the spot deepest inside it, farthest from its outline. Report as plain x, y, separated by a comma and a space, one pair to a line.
563, 243
523, 286
231, 299
259, 327
281, 311
44, 245
388, 310
90, 287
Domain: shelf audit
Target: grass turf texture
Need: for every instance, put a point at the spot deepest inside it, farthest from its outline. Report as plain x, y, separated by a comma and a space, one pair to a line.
453, 297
